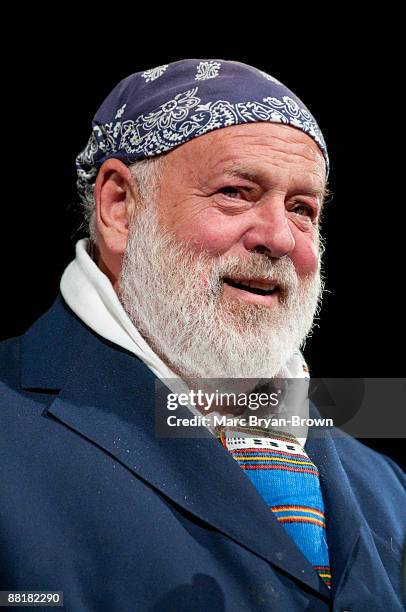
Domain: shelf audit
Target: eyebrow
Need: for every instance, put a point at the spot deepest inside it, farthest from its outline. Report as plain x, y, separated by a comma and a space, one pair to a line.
257, 175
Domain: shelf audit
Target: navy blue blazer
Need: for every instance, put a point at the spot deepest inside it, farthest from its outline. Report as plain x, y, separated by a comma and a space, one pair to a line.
94, 504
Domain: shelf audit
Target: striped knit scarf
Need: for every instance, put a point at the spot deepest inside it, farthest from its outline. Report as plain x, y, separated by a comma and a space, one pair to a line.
288, 481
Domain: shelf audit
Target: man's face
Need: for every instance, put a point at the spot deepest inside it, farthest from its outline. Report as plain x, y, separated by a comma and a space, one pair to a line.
247, 188
221, 272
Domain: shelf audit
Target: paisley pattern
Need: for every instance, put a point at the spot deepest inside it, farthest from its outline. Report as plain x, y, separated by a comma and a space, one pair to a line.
120, 112
136, 132
154, 73
207, 70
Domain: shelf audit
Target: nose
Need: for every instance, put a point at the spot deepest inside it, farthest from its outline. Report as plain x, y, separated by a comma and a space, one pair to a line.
270, 232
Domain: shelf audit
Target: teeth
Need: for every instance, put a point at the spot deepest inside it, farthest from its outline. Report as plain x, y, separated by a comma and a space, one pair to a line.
260, 285
256, 284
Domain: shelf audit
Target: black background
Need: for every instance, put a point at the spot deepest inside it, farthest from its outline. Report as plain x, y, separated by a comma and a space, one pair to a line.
54, 80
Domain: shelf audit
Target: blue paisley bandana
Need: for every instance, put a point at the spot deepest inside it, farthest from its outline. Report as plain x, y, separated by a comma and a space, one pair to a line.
151, 112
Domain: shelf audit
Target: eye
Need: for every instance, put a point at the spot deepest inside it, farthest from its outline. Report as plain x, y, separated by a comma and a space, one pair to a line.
303, 209
230, 191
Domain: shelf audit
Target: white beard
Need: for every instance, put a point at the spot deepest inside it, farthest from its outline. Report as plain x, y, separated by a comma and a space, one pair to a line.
174, 296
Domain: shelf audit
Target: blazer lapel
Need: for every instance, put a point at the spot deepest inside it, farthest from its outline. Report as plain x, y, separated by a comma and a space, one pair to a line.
343, 516
355, 565
108, 396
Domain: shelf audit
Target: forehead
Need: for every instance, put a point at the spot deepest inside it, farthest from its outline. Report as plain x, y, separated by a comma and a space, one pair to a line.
259, 147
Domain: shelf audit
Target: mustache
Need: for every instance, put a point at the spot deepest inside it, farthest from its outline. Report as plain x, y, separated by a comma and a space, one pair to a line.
279, 271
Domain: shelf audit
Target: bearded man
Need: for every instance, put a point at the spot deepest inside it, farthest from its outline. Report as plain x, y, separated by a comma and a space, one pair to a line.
203, 184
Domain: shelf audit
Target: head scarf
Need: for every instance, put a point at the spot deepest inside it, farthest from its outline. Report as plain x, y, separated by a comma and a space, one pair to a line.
152, 111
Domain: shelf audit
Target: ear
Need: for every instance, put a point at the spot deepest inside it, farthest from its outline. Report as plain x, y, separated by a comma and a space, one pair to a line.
115, 198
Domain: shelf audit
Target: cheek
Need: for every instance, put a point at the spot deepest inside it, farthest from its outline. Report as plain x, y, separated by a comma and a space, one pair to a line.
305, 255
209, 233
217, 235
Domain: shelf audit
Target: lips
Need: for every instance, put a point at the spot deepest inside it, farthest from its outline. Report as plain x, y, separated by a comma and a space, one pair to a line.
256, 286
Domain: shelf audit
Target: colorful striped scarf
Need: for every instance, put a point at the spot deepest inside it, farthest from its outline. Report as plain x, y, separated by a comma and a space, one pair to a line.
288, 481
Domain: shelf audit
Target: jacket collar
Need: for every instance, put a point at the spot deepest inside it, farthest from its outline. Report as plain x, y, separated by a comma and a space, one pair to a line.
50, 346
